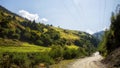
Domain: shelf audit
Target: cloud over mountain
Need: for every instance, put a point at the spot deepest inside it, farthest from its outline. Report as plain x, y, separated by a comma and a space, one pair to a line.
28, 15
89, 31
43, 20
31, 16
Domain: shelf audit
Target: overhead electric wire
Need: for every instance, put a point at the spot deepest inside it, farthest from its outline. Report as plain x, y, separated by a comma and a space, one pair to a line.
104, 11
99, 8
71, 15
77, 9
79, 13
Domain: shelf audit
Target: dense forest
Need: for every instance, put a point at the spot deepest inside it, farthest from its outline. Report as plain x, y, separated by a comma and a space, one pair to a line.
25, 43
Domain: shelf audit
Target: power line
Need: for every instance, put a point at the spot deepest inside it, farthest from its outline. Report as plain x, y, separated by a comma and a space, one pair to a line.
64, 4
99, 5
104, 11
77, 9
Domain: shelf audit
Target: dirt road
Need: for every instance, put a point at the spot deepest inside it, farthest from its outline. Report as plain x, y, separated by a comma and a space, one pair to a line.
88, 62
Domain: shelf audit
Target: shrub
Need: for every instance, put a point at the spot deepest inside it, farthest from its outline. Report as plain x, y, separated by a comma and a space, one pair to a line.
39, 42
56, 52
24, 60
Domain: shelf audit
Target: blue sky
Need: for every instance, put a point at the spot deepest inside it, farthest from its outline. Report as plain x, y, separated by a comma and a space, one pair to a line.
83, 15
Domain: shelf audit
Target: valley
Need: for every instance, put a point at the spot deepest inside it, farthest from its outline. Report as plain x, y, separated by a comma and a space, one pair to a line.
60, 34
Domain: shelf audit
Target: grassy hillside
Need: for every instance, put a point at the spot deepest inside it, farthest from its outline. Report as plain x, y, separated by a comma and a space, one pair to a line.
67, 34
26, 44
13, 26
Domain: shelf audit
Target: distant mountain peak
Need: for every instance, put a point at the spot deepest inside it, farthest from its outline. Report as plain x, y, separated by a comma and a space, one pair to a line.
99, 34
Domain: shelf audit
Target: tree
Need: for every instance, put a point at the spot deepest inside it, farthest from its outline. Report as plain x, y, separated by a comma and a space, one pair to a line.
16, 36
46, 39
78, 43
27, 36
27, 29
114, 36
56, 51
39, 42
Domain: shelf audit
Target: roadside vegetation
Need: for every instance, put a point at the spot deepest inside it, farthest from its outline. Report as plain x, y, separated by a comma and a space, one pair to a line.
110, 45
30, 56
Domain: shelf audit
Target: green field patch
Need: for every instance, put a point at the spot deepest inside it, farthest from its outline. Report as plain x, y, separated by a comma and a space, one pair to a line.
72, 46
26, 47
62, 64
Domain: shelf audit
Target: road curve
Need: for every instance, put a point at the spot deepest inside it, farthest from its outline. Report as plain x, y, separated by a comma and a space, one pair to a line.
88, 62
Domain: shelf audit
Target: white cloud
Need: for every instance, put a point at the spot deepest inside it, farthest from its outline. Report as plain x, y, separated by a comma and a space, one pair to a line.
89, 31
43, 20
32, 17
28, 15
105, 28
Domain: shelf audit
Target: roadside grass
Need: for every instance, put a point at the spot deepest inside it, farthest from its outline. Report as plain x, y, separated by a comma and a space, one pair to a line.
62, 64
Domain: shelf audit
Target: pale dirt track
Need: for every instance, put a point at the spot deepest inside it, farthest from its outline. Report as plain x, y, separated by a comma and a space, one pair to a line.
88, 62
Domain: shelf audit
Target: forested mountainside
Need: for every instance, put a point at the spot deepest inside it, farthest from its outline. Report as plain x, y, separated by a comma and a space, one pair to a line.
110, 46
25, 43
99, 35
13, 26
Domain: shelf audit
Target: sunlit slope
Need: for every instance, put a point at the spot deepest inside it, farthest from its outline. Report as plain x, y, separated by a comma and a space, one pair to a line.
67, 34
8, 45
